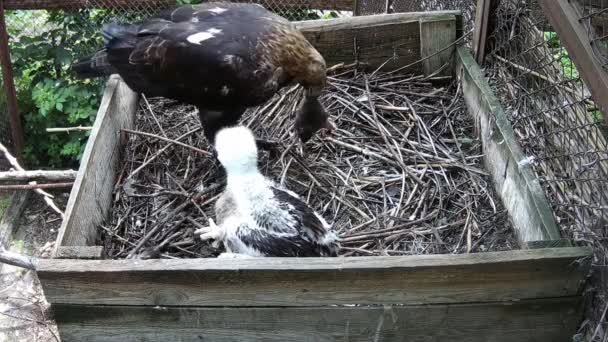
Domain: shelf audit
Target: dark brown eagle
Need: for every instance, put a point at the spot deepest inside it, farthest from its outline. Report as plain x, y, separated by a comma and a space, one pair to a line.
221, 57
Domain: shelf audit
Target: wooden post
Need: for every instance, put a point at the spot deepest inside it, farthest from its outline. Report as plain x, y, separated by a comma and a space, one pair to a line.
480, 34
9, 87
564, 16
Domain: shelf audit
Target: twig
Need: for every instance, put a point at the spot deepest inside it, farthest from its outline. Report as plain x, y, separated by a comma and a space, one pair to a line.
167, 140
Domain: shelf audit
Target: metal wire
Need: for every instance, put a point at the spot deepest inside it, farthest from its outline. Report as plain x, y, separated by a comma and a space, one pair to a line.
594, 15
556, 121
467, 7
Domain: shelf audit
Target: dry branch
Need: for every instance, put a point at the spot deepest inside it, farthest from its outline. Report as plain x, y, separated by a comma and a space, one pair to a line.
68, 129
15, 259
49, 176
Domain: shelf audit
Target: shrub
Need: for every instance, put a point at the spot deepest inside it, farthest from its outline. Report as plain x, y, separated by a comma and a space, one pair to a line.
43, 46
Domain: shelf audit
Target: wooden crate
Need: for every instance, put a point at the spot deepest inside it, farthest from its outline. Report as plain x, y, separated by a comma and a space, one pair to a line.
531, 294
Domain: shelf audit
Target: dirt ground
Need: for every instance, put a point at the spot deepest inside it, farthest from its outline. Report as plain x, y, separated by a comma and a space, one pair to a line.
24, 312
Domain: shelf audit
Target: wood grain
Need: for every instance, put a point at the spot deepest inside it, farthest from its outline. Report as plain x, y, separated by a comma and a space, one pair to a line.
498, 276
513, 178
79, 252
536, 320
91, 195
347, 23
393, 39
435, 36
397, 44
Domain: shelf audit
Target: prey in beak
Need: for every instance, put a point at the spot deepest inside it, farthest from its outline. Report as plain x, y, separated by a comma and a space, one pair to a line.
312, 117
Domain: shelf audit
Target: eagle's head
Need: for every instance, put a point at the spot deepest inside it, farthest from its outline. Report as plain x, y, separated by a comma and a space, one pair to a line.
288, 49
311, 116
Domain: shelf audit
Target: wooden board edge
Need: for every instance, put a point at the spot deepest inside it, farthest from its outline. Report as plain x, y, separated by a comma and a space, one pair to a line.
514, 161
263, 282
372, 263
75, 194
79, 252
115, 88
321, 25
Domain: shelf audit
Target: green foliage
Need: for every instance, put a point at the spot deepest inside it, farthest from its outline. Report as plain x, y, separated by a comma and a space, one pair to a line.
561, 56
44, 45
569, 68
5, 201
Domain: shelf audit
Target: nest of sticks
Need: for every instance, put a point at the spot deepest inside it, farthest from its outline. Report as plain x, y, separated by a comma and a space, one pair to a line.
403, 174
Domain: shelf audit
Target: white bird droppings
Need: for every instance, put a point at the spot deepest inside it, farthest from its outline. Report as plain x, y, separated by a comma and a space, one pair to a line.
199, 37
225, 90
218, 10
526, 161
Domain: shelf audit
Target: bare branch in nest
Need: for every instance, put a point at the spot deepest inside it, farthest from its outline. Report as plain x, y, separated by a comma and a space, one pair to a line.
48, 198
19, 260
49, 176
168, 140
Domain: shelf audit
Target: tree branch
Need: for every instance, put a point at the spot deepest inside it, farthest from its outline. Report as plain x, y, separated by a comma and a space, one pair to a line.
49, 176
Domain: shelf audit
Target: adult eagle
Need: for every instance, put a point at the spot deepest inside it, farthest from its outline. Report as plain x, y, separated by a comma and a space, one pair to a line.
221, 57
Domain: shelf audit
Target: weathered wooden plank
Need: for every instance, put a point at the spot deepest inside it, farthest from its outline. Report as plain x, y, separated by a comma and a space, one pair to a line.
513, 177
423, 279
373, 39
369, 20
435, 36
91, 195
563, 16
397, 44
79, 252
534, 320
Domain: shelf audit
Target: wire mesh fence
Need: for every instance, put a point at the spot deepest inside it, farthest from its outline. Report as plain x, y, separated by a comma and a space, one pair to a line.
594, 15
467, 7
558, 125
